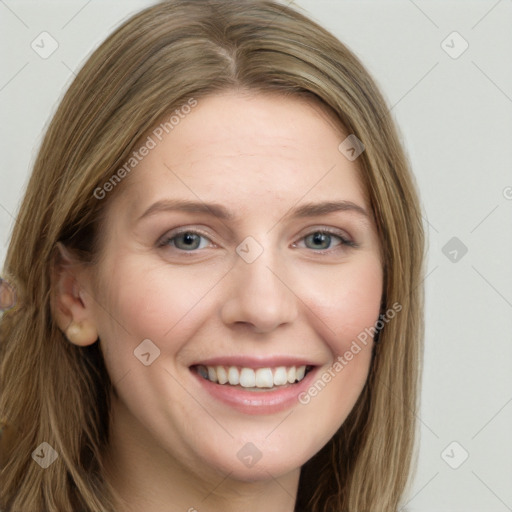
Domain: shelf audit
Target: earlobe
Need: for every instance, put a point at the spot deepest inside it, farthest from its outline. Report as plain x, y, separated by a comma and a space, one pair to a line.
71, 312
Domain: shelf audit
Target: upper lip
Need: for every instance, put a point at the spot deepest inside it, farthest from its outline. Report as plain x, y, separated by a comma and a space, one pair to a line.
255, 361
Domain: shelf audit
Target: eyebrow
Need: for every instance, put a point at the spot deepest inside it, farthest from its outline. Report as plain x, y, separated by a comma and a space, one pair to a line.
219, 211
214, 209
314, 209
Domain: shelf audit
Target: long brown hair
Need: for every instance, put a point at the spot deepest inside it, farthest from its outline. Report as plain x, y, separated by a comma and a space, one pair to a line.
56, 392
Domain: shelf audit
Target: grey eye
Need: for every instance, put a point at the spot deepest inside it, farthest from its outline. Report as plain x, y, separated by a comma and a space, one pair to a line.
186, 241
320, 241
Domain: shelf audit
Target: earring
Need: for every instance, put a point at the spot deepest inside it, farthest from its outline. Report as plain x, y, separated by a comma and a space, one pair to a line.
81, 334
73, 333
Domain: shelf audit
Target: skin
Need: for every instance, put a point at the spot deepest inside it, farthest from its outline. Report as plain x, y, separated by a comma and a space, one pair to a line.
174, 447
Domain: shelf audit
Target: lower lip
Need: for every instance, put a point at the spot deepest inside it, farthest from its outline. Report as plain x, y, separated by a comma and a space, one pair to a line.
257, 402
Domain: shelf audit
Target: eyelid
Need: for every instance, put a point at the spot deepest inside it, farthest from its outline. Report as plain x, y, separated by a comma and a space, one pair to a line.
342, 234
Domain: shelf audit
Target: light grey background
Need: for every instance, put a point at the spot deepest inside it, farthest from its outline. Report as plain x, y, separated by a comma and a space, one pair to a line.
455, 116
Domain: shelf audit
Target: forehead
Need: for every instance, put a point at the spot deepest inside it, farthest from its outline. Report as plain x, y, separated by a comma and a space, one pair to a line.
245, 149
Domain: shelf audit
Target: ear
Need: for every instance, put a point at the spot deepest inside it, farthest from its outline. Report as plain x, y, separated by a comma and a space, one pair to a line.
74, 318
7, 295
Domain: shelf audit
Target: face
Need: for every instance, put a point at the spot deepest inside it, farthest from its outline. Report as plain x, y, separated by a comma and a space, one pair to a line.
241, 248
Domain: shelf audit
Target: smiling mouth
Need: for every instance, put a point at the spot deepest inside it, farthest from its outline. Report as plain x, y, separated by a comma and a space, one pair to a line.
252, 379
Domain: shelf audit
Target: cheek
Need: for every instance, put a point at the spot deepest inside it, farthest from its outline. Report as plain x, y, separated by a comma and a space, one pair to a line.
155, 302
341, 302
346, 301
343, 317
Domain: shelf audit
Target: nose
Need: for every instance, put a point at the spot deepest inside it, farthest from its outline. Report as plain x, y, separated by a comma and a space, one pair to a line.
259, 297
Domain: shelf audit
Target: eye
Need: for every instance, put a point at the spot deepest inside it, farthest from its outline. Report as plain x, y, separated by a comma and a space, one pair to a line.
323, 240
186, 241
319, 240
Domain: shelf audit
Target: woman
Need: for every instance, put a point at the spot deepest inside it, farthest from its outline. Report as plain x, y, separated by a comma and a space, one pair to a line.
217, 266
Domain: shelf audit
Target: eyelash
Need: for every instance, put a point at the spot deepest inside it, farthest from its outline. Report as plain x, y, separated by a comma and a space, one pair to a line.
344, 241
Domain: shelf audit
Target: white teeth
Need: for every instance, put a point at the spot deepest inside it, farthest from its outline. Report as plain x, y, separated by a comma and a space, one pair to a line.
247, 378
212, 374
250, 378
222, 376
233, 376
264, 378
280, 376
301, 371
